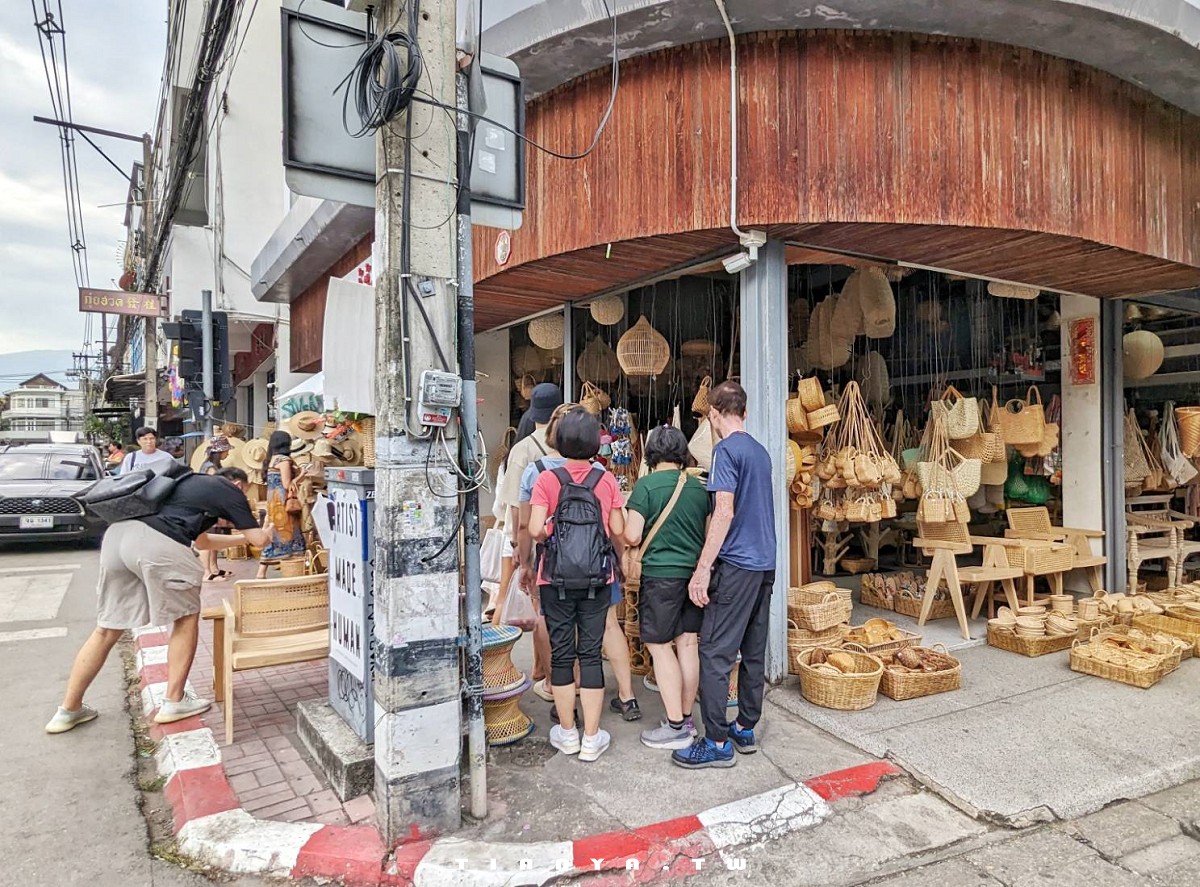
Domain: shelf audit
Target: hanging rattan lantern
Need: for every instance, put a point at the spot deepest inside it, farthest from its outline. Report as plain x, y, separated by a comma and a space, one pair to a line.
527, 359
598, 362
1143, 354
643, 351
547, 332
1013, 291
877, 303
873, 379
607, 310
846, 320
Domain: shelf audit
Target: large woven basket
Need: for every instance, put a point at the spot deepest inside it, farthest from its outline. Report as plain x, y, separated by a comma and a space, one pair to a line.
1143, 678
844, 692
643, 351
824, 416
898, 685
292, 567
1184, 629
547, 331
1005, 640
1039, 560
909, 639
801, 639
1188, 419
911, 606
819, 610
368, 441
812, 395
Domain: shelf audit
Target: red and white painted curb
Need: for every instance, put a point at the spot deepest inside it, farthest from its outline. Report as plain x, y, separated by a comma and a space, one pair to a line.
212, 827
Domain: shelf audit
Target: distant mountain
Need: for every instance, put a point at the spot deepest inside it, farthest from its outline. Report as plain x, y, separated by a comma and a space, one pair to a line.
18, 366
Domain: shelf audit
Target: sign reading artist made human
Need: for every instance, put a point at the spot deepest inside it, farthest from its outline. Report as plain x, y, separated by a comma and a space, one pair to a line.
351, 604
120, 302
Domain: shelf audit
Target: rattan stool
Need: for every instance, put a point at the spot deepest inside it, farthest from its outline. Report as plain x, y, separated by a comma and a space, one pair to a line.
499, 673
504, 722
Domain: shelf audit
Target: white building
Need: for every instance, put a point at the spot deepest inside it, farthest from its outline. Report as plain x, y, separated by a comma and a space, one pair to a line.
234, 196
39, 406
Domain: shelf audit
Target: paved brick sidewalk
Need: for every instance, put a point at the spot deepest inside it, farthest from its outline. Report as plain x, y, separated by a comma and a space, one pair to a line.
268, 767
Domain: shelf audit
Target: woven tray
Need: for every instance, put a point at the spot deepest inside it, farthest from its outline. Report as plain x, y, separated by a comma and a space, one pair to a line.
1142, 678
1183, 629
844, 692
870, 598
911, 606
900, 686
910, 639
1029, 646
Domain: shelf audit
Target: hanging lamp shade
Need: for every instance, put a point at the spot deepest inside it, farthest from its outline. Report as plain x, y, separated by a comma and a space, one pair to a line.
847, 319
607, 310
877, 303
1143, 352
873, 379
527, 360
547, 332
598, 362
643, 351
1013, 291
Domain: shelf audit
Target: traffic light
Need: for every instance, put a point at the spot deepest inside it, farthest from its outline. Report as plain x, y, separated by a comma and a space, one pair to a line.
188, 333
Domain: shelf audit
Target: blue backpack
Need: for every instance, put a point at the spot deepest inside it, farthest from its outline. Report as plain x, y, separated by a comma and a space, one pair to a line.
579, 556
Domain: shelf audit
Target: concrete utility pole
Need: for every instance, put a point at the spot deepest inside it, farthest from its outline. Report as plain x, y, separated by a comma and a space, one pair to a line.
150, 395
418, 730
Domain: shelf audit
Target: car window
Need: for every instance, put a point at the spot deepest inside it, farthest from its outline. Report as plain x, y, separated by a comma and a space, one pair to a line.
21, 466
71, 468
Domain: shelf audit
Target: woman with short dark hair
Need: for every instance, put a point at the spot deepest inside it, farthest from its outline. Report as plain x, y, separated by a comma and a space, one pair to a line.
577, 616
281, 477
668, 515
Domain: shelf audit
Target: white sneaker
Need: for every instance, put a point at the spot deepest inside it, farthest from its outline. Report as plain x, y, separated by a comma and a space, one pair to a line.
189, 705
64, 720
566, 741
594, 746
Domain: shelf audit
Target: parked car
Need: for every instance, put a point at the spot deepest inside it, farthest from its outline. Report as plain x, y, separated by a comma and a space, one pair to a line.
37, 482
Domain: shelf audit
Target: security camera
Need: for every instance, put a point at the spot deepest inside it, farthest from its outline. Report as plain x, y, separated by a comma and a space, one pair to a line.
738, 263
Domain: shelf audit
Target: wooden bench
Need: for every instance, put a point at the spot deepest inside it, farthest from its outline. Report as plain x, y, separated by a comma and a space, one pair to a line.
270, 622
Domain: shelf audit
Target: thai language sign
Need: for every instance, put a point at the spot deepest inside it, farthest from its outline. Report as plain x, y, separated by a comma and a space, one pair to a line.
121, 302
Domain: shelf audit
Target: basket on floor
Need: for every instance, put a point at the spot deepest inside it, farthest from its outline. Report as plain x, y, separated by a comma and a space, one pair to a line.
237, 553
1040, 646
817, 614
941, 608
1184, 629
843, 692
293, 567
911, 685
1143, 678
907, 639
801, 639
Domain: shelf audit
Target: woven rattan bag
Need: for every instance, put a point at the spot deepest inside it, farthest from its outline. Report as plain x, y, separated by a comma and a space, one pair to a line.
961, 413
700, 402
1021, 421
1137, 469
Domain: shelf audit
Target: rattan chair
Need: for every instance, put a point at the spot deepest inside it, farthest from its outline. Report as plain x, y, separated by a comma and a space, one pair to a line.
1034, 523
1152, 512
273, 622
944, 543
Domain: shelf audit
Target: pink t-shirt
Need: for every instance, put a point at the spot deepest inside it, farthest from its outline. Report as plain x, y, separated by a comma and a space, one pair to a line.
547, 488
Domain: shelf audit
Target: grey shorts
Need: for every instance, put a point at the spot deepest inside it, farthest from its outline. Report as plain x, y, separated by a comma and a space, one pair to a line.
145, 578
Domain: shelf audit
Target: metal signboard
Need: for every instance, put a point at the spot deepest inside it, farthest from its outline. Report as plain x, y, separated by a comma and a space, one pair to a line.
92, 301
351, 600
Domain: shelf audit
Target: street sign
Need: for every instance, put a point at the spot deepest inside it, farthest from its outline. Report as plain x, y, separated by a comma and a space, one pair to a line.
92, 301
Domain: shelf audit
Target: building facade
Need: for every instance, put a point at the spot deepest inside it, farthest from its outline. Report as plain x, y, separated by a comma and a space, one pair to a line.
39, 406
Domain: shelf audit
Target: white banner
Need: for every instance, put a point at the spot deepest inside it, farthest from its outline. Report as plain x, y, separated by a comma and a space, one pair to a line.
348, 641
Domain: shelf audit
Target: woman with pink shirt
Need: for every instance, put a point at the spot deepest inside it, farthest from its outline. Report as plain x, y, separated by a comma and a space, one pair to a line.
575, 572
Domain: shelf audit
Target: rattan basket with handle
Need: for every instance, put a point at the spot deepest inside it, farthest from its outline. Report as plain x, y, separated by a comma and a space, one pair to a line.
812, 395
914, 684
700, 401
845, 692
643, 351
594, 400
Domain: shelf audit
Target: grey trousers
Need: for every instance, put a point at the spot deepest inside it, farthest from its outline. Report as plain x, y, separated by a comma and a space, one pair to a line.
735, 621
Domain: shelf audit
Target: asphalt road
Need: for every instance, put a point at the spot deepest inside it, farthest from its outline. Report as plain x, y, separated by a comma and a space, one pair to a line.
70, 813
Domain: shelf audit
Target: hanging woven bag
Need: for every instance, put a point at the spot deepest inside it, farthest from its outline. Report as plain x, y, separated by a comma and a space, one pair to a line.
1023, 421
961, 413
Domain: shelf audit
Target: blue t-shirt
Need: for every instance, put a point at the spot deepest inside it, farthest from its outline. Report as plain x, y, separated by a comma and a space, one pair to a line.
741, 465
530, 475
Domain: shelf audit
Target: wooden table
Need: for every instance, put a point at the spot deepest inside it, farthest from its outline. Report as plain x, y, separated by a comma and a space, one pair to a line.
217, 615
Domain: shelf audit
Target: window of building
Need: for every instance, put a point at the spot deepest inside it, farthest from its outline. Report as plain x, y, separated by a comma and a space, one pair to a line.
41, 403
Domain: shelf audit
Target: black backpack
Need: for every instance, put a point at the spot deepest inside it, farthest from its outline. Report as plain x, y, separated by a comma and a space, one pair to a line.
579, 555
132, 495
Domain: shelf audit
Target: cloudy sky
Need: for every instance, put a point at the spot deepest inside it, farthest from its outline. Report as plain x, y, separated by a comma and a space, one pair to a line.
115, 53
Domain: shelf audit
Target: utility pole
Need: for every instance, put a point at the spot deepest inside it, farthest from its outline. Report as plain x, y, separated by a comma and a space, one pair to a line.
206, 358
418, 727
150, 395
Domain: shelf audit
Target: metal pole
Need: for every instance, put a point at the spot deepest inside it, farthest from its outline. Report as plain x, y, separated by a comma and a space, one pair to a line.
150, 393
206, 348
1112, 438
469, 416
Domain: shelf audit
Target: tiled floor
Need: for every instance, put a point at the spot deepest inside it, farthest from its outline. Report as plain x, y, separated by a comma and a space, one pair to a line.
268, 767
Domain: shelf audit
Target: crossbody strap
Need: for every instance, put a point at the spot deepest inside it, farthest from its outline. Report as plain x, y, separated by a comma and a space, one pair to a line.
662, 518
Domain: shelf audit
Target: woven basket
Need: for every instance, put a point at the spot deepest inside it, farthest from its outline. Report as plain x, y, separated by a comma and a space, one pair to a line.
368, 441
1038, 560
899, 685
237, 553
1184, 629
547, 332
594, 400
871, 598
598, 361
911, 606
812, 395
830, 612
982, 446
797, 418
643, 351
858, 564
800, 639
318, 563
909, 639
1086, 626
1005, 640
824, 416
1143, 678
844, 692
1188, 419
700, 402
292, 567
504, 722
525, 385
527, 360
607, 310
639, 658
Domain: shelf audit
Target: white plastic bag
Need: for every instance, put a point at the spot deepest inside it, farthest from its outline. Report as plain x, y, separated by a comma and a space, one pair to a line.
517, 609
490, 553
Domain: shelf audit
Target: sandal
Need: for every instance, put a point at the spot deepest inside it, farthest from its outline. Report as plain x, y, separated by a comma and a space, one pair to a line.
219, 576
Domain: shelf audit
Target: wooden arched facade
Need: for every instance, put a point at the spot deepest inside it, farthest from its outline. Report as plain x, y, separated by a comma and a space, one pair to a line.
946, 152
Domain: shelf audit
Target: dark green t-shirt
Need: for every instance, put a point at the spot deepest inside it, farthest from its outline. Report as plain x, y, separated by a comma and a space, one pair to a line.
676, 548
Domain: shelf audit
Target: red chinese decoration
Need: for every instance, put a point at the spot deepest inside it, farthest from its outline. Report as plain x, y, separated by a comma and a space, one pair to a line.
1083, 351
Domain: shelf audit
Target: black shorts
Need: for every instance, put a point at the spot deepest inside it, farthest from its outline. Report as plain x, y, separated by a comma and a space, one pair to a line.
666, 611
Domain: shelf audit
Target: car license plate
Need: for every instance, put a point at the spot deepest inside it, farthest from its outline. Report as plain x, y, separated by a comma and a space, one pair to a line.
37, 522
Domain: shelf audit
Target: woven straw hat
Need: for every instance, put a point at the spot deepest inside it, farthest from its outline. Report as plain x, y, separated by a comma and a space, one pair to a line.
301, 446
1143, 354
308, 425
351, 449
254, 453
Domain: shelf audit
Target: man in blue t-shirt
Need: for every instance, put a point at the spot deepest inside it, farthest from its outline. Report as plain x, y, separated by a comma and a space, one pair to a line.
732, 583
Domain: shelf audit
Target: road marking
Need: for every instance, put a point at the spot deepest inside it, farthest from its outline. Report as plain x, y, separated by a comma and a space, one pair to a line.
32, 598
46, 569
32, 634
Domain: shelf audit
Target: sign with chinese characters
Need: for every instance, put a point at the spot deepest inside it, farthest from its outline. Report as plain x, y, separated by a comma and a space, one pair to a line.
1082, 352
120, 302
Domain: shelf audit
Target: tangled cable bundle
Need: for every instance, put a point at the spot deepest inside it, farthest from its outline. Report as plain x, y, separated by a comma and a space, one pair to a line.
856, 467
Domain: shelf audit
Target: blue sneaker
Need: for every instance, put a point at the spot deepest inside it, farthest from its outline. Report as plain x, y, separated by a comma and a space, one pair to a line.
704, 753
743, 740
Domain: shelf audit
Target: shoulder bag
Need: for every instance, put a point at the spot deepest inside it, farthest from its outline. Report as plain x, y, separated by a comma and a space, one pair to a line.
632, 565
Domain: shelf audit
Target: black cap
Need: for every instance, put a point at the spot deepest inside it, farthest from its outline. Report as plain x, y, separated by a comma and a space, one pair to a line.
543, 400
